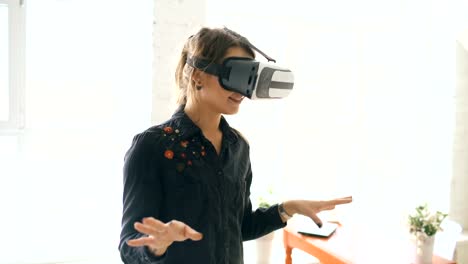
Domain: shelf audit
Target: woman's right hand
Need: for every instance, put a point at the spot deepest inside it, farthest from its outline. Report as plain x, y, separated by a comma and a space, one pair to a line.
160, 236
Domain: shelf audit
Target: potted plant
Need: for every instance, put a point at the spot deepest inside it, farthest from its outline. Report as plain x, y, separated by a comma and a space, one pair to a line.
266, 201
423, 225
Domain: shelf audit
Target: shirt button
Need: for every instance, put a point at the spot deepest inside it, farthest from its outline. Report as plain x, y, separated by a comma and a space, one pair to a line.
220, 172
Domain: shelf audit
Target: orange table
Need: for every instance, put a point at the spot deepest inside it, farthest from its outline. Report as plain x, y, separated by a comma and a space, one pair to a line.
354, 246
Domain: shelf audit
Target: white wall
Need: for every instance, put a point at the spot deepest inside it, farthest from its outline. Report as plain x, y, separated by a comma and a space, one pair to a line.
371, 113
174, 22
88, 91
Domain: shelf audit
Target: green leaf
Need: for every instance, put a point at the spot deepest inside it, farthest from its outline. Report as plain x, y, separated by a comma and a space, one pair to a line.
425, 221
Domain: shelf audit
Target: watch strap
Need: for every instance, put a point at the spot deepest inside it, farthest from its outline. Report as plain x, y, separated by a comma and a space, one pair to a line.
283, 212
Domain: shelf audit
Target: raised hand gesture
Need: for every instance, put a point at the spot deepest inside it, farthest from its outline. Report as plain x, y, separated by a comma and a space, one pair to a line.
161, 235
311, 208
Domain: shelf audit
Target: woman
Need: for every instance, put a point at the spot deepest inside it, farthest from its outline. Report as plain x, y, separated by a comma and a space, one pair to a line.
187, 181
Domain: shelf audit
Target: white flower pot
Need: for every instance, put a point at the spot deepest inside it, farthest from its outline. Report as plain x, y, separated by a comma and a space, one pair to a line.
264, 247
424, 249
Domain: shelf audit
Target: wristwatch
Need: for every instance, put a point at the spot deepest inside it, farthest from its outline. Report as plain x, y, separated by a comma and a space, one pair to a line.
283, 212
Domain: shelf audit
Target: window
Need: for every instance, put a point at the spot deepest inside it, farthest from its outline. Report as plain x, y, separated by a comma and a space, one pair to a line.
11, 64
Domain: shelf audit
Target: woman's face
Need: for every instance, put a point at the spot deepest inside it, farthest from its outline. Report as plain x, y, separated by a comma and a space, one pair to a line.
214, 96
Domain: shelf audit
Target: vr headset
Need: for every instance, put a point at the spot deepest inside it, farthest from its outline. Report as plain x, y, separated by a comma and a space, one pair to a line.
251, 78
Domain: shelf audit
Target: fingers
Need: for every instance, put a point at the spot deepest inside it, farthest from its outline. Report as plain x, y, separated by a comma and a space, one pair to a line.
155, 230
327, 207
316, 220
183, 231
159, 232
142, 241
338, 201
155, 223
151, 226
145, 229
192, 234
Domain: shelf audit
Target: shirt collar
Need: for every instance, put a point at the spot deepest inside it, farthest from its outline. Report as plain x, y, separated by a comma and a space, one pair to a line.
188, 128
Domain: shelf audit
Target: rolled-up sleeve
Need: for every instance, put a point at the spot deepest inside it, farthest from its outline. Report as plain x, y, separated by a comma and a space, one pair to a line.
261, 221
141, 197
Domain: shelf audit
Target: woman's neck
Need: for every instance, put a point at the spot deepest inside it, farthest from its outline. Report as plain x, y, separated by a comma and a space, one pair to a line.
208, 121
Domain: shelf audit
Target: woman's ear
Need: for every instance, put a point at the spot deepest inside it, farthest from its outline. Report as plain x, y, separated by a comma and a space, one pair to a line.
196, 76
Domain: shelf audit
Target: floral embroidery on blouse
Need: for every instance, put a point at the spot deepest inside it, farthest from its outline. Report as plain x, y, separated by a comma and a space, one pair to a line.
169, 154
182, 151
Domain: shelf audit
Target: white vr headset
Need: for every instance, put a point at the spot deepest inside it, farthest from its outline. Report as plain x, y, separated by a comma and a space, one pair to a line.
251, 78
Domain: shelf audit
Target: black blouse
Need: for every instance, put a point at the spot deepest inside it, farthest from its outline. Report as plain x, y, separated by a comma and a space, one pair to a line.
172, 172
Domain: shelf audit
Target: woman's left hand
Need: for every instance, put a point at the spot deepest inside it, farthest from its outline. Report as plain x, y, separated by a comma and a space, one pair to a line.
312, 208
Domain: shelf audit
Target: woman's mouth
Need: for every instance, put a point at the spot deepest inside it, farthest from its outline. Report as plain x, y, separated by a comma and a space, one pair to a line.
236, 99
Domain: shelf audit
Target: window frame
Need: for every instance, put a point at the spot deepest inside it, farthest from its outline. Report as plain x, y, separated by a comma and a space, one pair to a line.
16, 66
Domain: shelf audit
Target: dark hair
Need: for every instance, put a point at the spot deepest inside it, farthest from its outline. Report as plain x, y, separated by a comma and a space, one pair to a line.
209, 44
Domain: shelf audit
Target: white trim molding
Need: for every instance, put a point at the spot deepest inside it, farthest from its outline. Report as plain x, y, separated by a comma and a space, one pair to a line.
459, 196
16, 64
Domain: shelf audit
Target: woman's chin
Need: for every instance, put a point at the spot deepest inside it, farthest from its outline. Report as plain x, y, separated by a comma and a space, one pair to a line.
231, 110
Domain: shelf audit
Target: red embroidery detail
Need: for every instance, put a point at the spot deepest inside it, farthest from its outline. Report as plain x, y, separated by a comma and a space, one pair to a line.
168, 130
184, 143
169, 154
